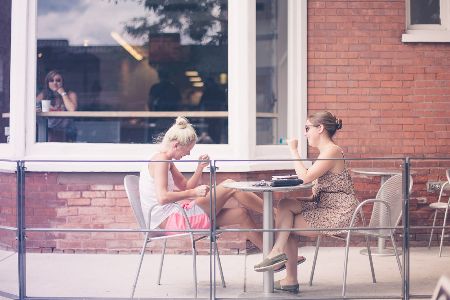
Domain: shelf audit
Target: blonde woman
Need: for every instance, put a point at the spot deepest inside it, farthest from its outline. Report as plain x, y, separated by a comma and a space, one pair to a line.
163, 184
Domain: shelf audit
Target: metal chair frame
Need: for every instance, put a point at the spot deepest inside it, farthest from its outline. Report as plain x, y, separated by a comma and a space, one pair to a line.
131, 183
387, 221
440, 206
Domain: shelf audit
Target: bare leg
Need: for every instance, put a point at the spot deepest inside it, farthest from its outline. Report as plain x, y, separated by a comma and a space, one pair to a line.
287, 211
291, 250
249, 200
239, 215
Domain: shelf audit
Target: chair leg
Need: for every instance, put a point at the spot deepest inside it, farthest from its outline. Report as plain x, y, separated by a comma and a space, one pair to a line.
220, 265
443, 231
194, 267
432, 229
139, 265
311, 277
369, 254
396, 256
347, 245
163, 252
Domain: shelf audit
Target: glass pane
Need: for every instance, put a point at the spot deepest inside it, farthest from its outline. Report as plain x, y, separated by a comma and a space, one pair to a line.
271, 71
129, 64
425, 12
5, 58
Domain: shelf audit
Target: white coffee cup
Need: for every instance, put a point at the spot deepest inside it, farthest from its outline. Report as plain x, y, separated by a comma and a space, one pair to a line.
45, 105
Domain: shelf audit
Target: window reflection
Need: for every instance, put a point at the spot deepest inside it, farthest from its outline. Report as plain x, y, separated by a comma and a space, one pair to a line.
5, 56
425, 12
271, 70
135, 56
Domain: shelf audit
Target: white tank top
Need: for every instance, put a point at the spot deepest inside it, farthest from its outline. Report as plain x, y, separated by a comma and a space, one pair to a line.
147, 192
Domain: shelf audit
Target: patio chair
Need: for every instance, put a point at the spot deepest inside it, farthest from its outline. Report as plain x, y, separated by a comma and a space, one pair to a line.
386, 212
131, 183
440, 206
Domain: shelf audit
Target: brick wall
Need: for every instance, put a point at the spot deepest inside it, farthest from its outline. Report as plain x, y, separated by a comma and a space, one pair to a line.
393, 97
98, 201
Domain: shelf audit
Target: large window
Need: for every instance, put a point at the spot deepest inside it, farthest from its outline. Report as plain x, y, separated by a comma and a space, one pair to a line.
120, 71
236, 69
5, 55
271, 71
427, 21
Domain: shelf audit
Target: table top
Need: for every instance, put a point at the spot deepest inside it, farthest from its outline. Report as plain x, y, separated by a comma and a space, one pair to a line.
377, 171
249, 186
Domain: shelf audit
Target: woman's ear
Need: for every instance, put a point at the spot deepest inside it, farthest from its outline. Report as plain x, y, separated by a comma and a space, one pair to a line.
320, 128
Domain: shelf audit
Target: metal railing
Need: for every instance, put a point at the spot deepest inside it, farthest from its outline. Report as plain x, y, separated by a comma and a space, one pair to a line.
22, 229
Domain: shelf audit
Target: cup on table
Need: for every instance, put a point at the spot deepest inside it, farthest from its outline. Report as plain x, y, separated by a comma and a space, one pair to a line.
45, 105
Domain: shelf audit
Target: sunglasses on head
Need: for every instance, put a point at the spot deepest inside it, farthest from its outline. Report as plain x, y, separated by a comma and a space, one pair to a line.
307, 127
55, 80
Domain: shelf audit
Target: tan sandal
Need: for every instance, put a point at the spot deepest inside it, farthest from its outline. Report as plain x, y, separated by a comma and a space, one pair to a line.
271, 263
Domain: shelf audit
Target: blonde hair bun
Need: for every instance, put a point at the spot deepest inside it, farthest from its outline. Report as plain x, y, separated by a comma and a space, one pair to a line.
181, 122
181, 131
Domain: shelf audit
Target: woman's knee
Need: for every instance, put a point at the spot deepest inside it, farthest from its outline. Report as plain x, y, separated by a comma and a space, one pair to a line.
226, 181
285, 204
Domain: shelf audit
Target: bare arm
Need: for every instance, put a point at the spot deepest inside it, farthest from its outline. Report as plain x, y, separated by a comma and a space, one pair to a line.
182, 183
164, 196
319, 168
70, 99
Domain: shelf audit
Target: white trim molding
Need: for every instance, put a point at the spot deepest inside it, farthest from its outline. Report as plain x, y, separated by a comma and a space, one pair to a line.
428, 33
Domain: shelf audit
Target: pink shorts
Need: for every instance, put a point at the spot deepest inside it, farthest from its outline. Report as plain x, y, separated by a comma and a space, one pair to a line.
196, 216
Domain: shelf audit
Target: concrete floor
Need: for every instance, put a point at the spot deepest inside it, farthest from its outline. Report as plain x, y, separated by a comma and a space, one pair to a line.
110, 276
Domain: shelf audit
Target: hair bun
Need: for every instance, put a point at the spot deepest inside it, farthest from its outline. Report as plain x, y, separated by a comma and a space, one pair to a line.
338, 123
181, 122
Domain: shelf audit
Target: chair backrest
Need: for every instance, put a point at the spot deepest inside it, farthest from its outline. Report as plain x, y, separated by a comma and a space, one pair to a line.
448, 175
391, 192
131, 183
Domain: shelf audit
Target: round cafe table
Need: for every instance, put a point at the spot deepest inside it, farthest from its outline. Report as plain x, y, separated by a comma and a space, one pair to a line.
384, 174
252, 186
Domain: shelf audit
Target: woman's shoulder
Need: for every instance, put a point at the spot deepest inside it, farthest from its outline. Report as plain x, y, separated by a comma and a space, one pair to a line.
332, 151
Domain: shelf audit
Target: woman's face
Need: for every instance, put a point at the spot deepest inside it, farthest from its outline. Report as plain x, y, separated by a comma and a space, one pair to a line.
181, 151
55, 83
312, 133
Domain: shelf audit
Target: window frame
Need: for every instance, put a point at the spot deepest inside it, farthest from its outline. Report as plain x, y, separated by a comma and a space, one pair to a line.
242, 85
428, 32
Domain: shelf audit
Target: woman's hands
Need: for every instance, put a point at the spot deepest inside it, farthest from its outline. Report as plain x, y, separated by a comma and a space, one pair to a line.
204, 161
293, 144
201, 190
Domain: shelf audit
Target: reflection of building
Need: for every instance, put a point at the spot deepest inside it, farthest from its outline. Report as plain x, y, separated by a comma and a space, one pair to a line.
166, 48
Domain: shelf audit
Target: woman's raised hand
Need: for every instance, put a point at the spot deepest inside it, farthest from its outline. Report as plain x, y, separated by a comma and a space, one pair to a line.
204, 161
201, 190
293, 144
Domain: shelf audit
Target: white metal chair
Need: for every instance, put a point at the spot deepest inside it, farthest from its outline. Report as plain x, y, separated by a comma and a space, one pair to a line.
386, 212
440, 206
131, 183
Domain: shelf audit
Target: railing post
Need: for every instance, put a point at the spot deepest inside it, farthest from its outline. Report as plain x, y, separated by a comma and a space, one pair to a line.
406, 183
21, 243
212, 246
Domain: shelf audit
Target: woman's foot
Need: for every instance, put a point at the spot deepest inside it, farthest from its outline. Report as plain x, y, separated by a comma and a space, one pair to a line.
282, 285
271, 263
300, 260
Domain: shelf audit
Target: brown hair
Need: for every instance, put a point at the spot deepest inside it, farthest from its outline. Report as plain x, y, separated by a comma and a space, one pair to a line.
329, 121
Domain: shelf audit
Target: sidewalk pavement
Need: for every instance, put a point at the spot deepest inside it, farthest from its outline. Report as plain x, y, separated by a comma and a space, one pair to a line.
111, 275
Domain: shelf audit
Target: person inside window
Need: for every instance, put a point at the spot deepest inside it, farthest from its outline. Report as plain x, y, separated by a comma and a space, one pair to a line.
62, 99
331, 206
161, 183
